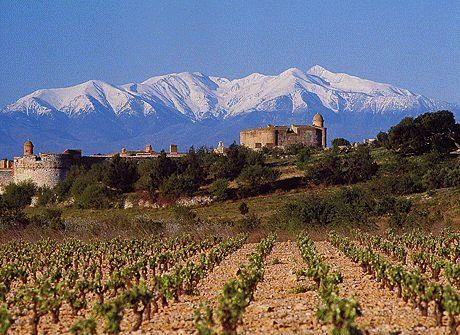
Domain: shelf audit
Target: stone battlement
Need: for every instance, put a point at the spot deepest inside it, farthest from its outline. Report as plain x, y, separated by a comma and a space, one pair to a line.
46, 169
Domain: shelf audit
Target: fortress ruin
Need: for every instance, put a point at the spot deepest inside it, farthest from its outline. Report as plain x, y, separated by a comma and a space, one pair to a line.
313, 135
48, 169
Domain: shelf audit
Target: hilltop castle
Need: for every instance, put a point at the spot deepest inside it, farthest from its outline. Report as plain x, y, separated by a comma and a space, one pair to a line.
45, 169
281, 136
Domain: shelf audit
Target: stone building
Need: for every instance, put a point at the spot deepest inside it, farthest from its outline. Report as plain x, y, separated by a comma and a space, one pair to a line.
173, 152
46, 169
281, 136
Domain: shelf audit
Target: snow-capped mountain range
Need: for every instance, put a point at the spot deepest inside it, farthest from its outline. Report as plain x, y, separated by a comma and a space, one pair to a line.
195, 109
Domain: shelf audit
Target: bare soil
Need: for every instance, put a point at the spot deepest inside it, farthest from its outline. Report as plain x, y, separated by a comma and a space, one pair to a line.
276, 308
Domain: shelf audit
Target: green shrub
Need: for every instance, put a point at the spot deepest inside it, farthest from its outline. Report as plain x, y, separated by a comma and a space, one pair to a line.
46, 196
177, 185
249, 222
218, 189
185, 216
12, 217
51, 218
348, 168
18, 195
243, 208
391, 205
303, 156
93, 196
253, 176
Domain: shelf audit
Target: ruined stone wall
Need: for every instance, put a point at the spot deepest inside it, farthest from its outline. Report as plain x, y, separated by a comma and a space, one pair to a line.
258, 138
44, 170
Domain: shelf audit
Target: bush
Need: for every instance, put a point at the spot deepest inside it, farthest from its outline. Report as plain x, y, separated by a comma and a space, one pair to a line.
391, 205
397, 184
244, 209
12, 217
248, 222
296, 148
177, 185
93, 196
218, 189
46, 196
327, 170
351, 206
441, 177
349, 168
18, 195
253, 176
303, 157
51, 218
184, 216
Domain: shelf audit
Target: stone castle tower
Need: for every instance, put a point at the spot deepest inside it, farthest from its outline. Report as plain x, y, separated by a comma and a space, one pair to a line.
45, 169
28, 148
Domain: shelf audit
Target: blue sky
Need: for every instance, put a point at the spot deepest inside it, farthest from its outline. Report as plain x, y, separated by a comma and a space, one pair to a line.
45, 44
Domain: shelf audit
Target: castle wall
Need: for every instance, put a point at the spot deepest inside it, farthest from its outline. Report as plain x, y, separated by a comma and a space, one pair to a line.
299, 134
45, 170
258, 138
6, 177
283, 136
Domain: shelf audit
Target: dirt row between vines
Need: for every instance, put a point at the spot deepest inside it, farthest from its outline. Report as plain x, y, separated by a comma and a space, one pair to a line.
383, 311
275, 308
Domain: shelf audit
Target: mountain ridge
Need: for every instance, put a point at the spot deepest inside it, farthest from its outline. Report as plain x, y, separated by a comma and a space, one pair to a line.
189, 104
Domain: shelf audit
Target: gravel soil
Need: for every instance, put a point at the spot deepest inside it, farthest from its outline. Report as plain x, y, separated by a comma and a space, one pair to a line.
276, 309
383, 311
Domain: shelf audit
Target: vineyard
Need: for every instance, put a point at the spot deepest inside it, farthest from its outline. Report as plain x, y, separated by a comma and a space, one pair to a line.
389, 284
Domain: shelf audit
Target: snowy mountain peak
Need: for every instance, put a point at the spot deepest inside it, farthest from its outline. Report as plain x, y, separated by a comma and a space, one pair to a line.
319, 71
294, 72
193, 108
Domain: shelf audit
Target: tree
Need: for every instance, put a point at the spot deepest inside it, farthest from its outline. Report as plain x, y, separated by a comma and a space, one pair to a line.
63, 188
429, 132
231, 165
382, 139
327, 170
120, 174
303, 156
338, 142
219, 189
177, 185
358, 166
154, 172
349, 168
162, 168
93, 196
253, 176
